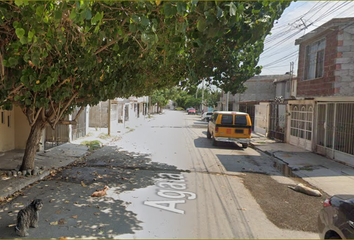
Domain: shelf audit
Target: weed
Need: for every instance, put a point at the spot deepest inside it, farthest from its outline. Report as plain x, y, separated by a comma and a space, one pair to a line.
103, 136
92, 145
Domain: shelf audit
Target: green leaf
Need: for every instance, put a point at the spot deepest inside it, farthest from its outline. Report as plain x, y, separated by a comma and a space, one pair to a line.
12, 61
17, 97
169, 10
35, 58
201, 24
233, 9
19, 3
39, 10
16, 24
97, 18
23, 40
88, 14
220, 12
72, 14
181, 7
20, 32
145, 21
58, 15
30, 35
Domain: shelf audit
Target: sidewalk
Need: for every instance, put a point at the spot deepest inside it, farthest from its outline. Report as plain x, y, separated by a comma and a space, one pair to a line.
44, 162
54, 158
323, 173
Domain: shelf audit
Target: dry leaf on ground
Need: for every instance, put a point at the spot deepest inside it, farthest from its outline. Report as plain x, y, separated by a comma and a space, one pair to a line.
100, 193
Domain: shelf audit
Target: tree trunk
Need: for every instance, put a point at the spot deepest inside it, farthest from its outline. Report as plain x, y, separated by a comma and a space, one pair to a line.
32, 145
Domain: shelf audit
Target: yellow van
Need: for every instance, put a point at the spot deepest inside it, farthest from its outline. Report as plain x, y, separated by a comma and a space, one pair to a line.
227, 126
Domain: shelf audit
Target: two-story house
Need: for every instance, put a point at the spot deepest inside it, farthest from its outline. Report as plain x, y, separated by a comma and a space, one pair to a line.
322, 117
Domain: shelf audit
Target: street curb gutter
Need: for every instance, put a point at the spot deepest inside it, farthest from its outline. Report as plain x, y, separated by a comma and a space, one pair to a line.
290, 172
19, 184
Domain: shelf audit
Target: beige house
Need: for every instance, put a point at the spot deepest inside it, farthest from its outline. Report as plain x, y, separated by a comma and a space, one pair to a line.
14, 129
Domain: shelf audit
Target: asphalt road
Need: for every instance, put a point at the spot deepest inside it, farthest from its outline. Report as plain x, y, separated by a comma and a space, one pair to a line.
165, 180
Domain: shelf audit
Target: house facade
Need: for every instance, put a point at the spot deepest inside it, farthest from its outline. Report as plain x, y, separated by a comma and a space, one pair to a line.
14, 129
123, 111
256, 100
322, 116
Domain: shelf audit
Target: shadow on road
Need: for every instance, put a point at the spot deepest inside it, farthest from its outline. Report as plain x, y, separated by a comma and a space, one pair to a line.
207, 143
70, 211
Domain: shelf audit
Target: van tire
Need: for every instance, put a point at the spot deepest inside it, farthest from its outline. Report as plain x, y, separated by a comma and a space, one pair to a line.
208, 134
244, 145
215, 143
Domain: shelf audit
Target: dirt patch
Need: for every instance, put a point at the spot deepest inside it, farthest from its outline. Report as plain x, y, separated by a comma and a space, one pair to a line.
284, 207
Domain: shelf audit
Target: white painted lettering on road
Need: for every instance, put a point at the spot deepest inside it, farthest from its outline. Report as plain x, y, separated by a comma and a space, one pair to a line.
176, 194
171, 183
171, 205
178, 186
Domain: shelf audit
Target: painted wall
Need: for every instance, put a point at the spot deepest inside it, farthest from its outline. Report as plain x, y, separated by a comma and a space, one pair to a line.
261, 121
22, 129
7, 130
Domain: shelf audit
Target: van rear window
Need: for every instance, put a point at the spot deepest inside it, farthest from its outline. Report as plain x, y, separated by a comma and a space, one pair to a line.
226, 119
240, 120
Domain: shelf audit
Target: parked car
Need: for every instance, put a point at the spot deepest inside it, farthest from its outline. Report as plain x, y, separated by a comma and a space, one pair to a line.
336, 219
206, 116
191, 111
227, 126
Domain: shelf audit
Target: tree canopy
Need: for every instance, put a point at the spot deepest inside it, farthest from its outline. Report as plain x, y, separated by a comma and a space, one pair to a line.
55, 55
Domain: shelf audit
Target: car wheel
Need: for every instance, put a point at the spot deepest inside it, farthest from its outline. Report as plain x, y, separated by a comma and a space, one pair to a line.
244, 145
334, 236
208, 134
215, 143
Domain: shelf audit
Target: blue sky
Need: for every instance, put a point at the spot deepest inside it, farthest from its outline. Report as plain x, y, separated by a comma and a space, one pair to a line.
299, 18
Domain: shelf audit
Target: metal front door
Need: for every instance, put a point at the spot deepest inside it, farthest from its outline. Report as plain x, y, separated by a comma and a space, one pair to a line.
301, 125
277, 123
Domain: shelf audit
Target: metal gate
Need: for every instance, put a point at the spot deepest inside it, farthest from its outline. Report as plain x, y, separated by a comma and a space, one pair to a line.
277, 123
79, 130
56, 137
335, 130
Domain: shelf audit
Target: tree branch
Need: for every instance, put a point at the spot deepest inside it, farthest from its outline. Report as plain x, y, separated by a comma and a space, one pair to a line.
37, 115
78, 113
2, 68
107, 46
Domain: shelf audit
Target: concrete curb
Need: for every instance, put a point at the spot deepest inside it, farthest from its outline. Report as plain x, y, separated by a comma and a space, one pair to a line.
20, 183
291, 173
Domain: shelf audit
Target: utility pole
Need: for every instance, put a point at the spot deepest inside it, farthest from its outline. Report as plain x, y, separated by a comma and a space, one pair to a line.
227, 101
291, 70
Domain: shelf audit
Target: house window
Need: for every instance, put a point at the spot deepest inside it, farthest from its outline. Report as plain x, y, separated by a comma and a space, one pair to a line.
314, 62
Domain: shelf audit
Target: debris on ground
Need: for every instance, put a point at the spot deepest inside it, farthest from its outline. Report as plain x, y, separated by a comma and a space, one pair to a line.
307, 190
100, 193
